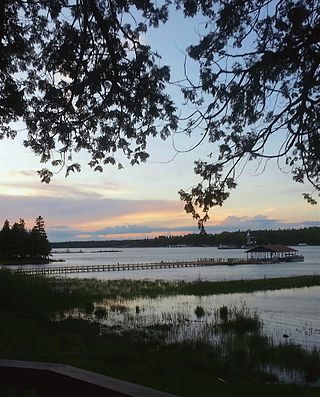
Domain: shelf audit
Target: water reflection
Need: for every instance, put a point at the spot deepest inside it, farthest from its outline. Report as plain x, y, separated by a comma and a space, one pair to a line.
216, 273
88, 256
276, 332
288, 316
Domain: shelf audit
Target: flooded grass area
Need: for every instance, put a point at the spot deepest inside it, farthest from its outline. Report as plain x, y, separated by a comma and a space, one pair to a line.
153, 334
230, 324
290, 315
234, 335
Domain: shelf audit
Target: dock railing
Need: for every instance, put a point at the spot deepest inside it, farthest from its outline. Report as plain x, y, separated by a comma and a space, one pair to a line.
43, 269
29, 378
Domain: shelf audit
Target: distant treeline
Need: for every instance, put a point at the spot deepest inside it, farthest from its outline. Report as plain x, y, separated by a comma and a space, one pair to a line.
309, 236
18, 243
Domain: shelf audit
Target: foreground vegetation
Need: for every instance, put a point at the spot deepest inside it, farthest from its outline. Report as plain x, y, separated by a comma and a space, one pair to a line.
34, 326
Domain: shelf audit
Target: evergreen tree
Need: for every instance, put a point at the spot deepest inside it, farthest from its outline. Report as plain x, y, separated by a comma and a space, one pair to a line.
39, 244
5, 240
19, 240
15, 240
24, 238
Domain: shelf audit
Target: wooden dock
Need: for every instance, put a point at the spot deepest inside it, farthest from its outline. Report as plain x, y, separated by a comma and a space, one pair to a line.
47, 270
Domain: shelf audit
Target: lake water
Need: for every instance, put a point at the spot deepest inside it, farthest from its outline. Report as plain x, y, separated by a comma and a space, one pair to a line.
292, 312
310, 266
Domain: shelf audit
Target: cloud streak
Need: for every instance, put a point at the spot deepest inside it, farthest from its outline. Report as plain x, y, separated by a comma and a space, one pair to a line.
76, 214
144, 231
85, 215
27, 187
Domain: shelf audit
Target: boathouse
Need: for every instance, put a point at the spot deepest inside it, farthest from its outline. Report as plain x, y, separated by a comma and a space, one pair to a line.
272, 252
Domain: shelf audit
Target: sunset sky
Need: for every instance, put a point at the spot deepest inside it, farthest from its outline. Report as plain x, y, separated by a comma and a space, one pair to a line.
142, 201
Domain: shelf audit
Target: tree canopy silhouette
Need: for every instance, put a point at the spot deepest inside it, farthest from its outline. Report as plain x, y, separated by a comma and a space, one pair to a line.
18, 243
81, 78
259, 87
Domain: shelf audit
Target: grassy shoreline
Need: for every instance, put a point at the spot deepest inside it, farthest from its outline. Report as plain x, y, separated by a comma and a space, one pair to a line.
29, 307
130, 289
250, 285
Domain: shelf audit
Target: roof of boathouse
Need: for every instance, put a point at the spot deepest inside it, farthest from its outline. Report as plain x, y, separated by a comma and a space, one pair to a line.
276, 248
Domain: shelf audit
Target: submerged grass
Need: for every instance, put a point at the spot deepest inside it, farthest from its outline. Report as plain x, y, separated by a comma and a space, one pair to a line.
232, 366
239, 320
43, 296
129, 289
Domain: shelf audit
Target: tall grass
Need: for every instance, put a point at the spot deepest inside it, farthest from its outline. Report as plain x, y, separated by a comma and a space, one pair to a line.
235, 353
33, 296
239, 320
130, 289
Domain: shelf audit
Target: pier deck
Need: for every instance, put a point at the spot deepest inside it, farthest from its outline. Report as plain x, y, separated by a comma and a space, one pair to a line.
44, 270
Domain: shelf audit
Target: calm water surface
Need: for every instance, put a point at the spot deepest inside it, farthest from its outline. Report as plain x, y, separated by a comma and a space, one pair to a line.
310, 266
292, 312
288, 316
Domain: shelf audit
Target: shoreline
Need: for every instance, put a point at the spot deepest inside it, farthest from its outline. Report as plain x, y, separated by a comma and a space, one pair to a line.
28, 262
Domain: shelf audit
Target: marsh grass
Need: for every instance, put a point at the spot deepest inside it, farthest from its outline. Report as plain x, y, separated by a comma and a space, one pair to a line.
231, 347
294, 356
239, 320
100, 312
199, 311
118, 308
130, 289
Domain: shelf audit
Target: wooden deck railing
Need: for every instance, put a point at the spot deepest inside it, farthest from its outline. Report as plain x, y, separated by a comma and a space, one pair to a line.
20, 378
43, 270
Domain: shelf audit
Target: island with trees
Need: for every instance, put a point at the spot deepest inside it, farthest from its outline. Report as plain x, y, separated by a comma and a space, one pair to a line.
19, 245
309, 236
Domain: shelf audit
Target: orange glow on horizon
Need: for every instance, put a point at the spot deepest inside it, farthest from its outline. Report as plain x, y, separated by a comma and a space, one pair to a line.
151, 218
130, 236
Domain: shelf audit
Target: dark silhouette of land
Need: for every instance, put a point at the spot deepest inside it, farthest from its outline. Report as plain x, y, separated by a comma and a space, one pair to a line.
308, 236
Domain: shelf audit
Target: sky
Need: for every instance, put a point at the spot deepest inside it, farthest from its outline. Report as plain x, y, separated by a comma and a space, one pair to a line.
142, 201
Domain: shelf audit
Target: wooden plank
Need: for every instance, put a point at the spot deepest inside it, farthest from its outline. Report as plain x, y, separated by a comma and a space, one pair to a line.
51, 379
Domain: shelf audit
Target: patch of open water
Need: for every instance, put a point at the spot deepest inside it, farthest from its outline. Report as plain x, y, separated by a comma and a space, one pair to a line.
90, 256
288, 316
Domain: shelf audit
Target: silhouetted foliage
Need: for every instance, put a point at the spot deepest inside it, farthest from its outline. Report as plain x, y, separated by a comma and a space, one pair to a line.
19, 240
81, 78
259, 92
19, 243
5, 239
